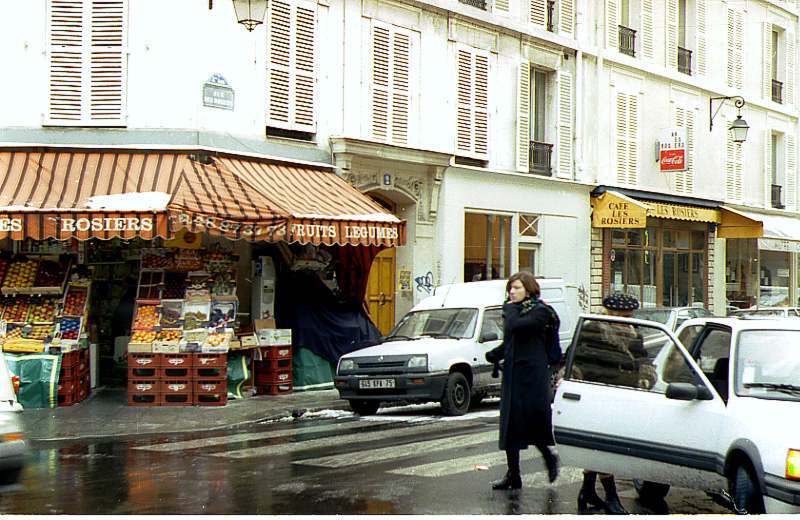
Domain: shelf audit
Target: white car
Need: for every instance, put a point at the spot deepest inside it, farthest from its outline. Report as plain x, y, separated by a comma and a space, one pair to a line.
766, 312
13, 447
436, 351
722, 416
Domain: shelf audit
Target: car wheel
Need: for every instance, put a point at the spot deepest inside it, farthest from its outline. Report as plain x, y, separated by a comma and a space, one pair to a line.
364, 407
10, 476
456, 398
650, 491
746, 494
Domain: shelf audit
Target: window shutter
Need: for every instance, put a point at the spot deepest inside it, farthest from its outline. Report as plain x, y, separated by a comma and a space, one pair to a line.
464, 99
481, 105
733, 168
565, 105
87, 56
766, 70
633, 139
730, 64
790, 183
501, 5
684, 181
680, 177
672, 34
612, 24
790, 72
401, 96
739, 63
472, 133
380, 83
566, 18
538, 13
627, 133
700, 34
523, 116
647, 28
291, 52
767, 167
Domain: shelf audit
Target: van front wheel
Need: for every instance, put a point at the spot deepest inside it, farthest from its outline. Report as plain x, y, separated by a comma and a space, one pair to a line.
364, 407
455, 400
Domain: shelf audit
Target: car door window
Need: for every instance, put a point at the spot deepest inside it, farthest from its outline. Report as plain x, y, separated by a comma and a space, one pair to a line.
688, 335
492, 323
712, 354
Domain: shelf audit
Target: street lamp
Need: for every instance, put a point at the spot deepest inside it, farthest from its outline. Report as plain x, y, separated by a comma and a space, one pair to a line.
739, 127
250, 12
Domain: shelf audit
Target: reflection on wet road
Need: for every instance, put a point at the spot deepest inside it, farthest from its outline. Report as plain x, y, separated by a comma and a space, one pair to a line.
411, 461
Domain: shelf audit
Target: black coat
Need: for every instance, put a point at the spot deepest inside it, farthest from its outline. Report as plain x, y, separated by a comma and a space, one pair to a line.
525, 412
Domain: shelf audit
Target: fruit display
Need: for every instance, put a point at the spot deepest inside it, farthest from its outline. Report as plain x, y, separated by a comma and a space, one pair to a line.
4, 264
39, 332
223, 284
70, 328
75, 301
217, 339
42, 310
150, 283
156, 259
142, 336
50, 274
188, 260
218, 262
171, 312
16, 309
223, 313
14, 333
169, 335
22, 273
146, 317
195, 336
174, 286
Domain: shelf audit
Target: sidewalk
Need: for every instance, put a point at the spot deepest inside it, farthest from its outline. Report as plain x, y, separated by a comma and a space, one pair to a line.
106, 414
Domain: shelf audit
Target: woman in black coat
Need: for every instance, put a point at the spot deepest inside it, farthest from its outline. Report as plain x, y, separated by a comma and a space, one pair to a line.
525, 412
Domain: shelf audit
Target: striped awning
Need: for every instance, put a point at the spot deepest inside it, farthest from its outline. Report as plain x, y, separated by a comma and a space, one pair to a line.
78, 194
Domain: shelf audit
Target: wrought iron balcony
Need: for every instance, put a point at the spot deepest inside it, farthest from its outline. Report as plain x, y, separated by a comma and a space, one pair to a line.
480, 4
684, 61
551, 8
777, 199
539, 155
777, 91
627, 40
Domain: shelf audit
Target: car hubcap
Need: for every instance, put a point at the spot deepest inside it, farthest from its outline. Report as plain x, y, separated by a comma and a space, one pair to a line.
459, 395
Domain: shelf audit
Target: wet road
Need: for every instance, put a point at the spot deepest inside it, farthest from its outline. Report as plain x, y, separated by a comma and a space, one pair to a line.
409, 460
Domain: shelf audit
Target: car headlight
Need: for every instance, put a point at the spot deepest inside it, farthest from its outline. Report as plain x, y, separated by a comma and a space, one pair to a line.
418, 362
347, 364
793, 465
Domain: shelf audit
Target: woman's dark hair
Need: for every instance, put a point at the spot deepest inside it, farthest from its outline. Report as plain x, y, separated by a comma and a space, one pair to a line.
528, 282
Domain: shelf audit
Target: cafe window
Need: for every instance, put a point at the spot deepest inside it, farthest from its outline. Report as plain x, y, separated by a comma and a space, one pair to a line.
487, 246
741, 272
661, 265
774, 278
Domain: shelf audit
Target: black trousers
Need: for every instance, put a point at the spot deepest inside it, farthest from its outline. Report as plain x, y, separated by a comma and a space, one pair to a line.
512, 458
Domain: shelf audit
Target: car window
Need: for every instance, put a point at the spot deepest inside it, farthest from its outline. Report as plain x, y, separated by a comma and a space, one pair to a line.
715, 345
628, 355
659, 315
458, 323
768, 364
794, 312
492, 322
699, 313
687, 335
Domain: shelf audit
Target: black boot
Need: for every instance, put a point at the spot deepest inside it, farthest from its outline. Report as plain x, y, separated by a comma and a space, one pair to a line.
510, 481
551, 460
613, 505
588, 495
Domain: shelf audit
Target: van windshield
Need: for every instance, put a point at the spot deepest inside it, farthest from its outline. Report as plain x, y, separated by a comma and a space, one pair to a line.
437, 323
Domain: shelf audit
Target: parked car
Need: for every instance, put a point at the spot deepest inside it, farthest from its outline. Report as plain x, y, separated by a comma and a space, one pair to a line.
672, 317
13, 447
436, 351
722, 415
767, 312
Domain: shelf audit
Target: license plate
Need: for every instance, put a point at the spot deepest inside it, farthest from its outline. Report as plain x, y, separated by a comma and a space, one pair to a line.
376, 383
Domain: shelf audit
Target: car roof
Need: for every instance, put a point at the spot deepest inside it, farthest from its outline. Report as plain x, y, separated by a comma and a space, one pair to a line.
745, 324
483, 294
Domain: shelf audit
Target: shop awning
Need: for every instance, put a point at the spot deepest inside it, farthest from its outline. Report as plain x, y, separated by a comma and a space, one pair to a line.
612, 209
77, 194
774, 232
735, 223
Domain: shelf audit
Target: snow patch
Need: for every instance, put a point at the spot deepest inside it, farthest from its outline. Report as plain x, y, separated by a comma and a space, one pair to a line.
328, 414
137, 201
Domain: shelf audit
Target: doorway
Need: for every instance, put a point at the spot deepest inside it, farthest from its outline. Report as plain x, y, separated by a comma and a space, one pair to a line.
380, 290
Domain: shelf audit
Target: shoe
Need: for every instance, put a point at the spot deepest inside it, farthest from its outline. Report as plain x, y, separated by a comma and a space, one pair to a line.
510, 481
552, 467
614, 507
589, 497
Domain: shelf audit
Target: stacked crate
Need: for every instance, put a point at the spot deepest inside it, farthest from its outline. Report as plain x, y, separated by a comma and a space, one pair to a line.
177, 379
273, 374
73, 380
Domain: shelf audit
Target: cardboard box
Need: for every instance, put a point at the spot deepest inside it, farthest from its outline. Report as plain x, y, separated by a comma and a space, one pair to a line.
264, 324
135, 348
166, 347
248, 340
274, 337
235, 344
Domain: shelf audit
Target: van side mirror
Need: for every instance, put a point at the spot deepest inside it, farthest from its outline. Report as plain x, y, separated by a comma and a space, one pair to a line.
489, 336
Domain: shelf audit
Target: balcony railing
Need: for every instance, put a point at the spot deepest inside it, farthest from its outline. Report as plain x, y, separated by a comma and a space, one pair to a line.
777, 200
480, 4
551, 9
539, 158
684, 61
627, 40
777, 91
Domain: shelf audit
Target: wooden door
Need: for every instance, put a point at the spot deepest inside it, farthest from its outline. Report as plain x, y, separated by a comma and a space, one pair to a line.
380, 290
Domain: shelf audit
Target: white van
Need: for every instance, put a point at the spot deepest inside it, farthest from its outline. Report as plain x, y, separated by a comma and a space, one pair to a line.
436, 351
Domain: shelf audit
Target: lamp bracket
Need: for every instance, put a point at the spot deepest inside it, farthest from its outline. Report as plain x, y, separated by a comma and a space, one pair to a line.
738, 102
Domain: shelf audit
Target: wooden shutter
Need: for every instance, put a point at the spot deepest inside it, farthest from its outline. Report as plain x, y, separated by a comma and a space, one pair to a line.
565, 88
501, 6
767, 167
380, 83
671, 57
733, 168
401, 96
647, 29
790, 178
684, 181
523, 116
627, 135
730, 48
566, 17
766, 68
391, 100
291, 49
612, 24
735, 51
537, 13
87, 60
790, 68
464, 100
481, 105
701, 8
472, 133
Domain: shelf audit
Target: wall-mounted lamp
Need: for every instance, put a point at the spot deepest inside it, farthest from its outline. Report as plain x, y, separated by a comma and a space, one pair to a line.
738, 128
250, 13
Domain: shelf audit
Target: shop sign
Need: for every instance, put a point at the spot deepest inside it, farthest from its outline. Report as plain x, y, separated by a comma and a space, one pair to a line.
217, 93
673, 211
672, 149
72, 225
228, 226
777, 244
372, 232
13, 225
404, 280
615, 212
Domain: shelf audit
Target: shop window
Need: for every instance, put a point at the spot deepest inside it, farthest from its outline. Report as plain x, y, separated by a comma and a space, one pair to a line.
487, 246
741, 272
528, 258
774, 278
529, 225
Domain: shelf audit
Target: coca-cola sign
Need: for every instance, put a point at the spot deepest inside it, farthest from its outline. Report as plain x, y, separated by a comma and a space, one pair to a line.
672, 160
672, 150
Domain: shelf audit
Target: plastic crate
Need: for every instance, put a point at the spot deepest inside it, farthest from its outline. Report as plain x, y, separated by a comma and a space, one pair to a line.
72, 372
143, 373
144, 399
144, 360
210, 386
220, 372
279, 352
275, 389
210, 360
271, 365
274, 377
70, 359
176, 386
176, 399
144, 386
174, 373
211, 399
176, 360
